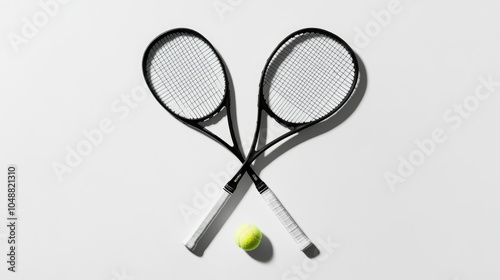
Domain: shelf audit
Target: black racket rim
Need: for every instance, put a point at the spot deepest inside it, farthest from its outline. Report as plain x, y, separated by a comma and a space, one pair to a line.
262, 102
156, 95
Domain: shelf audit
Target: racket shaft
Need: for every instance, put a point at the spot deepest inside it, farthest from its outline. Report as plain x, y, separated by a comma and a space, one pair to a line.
286, 219
192, 240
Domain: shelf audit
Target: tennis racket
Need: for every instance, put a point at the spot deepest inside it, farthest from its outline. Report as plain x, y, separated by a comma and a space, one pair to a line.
308, 77
186, 75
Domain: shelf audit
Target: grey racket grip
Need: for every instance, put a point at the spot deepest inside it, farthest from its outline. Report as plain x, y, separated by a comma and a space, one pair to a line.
192, 240
286, 219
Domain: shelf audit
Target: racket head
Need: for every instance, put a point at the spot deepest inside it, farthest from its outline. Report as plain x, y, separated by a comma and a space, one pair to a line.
306, 67
186, 75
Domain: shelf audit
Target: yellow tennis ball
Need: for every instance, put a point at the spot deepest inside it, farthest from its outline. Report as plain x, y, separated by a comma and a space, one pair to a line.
248, 237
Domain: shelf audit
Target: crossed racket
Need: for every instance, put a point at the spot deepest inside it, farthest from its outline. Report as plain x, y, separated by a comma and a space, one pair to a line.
307, 78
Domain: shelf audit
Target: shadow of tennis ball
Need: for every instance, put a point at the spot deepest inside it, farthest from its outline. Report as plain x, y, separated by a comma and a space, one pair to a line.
263, 253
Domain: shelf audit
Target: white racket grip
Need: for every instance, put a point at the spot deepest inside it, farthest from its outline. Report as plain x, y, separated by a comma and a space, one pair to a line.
286, 219
192, 240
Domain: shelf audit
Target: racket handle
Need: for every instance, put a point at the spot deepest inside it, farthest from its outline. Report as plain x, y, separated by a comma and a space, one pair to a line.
286, 219
192, 240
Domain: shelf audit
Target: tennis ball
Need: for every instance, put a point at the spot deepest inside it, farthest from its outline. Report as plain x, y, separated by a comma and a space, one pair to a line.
248, 237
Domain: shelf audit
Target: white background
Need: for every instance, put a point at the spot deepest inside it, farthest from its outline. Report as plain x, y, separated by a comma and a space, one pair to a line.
118, 215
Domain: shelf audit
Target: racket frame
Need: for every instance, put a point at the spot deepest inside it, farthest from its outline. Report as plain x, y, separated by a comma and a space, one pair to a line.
294, 127
225, 103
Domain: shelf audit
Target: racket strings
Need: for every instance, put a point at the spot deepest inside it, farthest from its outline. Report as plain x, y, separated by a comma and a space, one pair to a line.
301, 87
186, 75
275, 66
308, 77
194, 101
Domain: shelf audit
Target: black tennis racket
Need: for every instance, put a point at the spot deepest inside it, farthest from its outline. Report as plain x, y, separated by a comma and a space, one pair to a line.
309, 77
186, 75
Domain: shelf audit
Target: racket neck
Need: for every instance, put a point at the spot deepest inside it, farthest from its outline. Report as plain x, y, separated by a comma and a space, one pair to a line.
233, 183
236, 147
257, 129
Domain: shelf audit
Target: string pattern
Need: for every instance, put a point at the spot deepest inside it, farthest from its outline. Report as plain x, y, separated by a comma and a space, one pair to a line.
186, 75
308, 78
